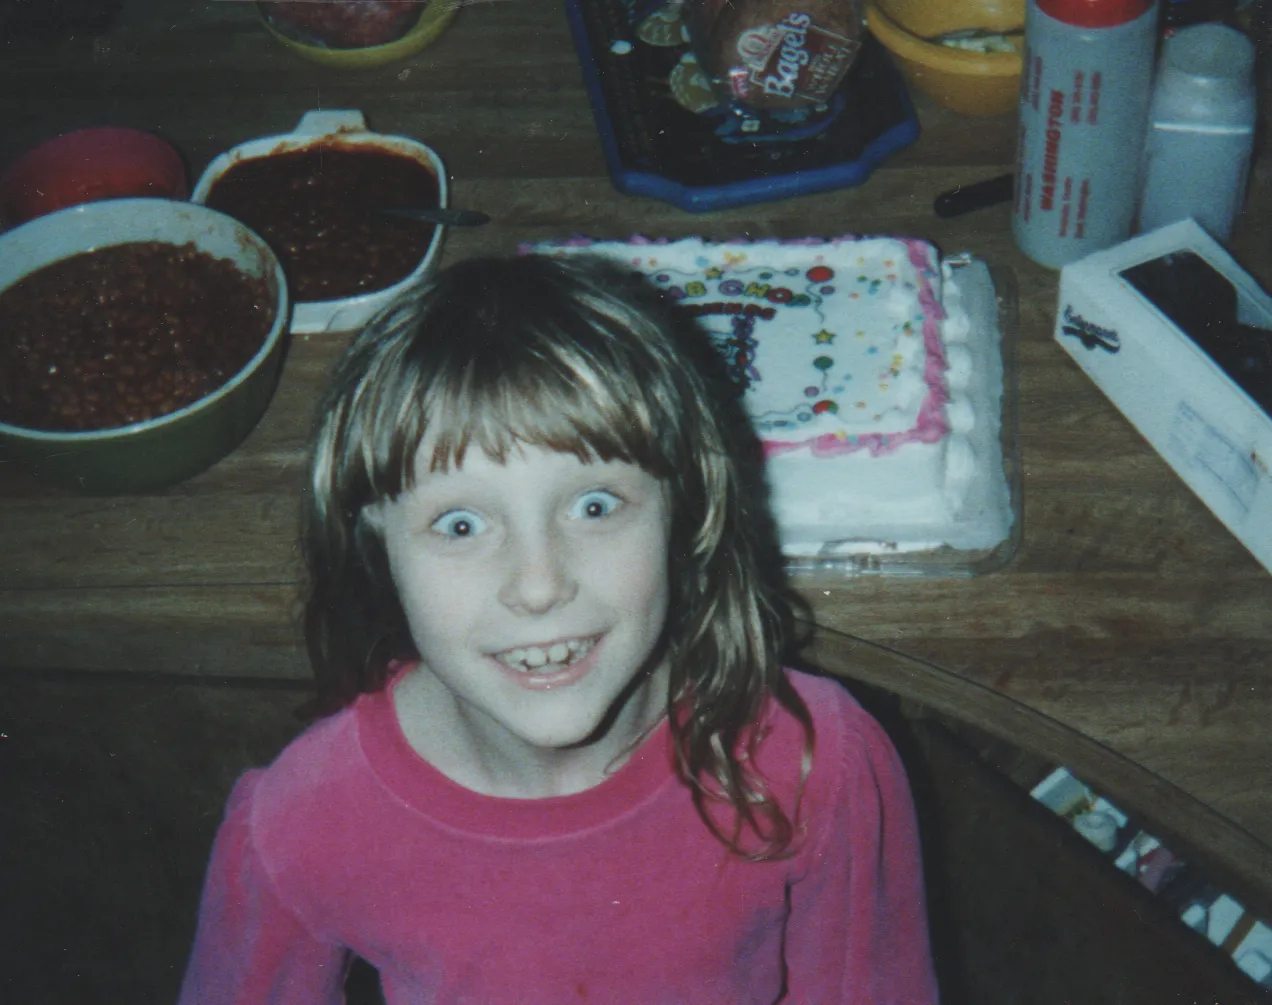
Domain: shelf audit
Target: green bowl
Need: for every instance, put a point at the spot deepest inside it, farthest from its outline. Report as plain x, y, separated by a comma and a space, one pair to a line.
158, 453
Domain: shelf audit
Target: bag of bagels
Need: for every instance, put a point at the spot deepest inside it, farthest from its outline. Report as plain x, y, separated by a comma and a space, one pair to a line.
775, 54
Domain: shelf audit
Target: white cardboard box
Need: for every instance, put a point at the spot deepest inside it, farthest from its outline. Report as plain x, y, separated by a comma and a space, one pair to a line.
1211, 431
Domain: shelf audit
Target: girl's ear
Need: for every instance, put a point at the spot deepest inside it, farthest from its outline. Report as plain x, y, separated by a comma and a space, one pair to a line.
371, 516
369, 550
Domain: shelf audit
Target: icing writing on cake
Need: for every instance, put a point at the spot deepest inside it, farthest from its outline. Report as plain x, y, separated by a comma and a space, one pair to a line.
837, 344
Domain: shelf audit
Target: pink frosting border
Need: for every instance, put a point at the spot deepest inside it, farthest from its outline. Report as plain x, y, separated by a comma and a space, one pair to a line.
930, 426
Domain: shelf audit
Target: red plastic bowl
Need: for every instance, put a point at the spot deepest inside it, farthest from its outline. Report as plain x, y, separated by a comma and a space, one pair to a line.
90, 164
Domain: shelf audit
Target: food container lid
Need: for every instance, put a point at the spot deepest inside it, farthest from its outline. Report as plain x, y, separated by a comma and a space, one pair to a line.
1094, 13
89, 164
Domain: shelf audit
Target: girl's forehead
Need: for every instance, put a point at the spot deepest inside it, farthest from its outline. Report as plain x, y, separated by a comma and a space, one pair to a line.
548, 461
442, 454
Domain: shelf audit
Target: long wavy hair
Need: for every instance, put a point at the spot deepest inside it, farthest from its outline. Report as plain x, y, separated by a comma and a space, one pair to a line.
578, 356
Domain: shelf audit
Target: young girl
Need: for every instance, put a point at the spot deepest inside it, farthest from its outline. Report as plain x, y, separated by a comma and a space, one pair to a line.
564, 762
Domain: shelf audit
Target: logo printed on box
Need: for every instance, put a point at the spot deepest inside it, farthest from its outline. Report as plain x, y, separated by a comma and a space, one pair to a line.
1091, 335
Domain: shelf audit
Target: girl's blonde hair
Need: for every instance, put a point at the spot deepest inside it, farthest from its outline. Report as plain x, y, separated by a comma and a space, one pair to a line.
577, 356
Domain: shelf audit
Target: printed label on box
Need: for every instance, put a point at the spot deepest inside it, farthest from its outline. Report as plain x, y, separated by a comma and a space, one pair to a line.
1204, 447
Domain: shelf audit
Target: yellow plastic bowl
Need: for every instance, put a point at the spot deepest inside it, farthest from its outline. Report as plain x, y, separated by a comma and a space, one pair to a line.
971, 83
432, 22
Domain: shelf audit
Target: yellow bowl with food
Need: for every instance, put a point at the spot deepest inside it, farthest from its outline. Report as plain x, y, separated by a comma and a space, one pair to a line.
964, 54
433, 20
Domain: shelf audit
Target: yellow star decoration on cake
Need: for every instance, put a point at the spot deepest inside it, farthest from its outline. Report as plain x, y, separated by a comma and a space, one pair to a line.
715, 272
824, 337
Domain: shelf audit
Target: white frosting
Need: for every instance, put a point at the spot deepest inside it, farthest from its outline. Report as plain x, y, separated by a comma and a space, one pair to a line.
872, 378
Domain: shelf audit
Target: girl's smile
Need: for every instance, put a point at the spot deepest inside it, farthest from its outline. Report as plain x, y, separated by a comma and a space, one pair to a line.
536, 593
551, 665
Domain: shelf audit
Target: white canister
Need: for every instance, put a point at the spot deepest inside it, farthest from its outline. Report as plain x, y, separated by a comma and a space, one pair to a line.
1201, 130
1084, 95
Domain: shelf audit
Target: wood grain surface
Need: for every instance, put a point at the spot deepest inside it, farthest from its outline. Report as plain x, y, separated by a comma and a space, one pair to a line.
1130, 635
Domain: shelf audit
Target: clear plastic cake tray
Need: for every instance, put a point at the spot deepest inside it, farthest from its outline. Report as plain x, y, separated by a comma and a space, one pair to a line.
985, 533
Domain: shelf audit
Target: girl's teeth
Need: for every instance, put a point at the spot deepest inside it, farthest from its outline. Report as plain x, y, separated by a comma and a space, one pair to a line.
534, 657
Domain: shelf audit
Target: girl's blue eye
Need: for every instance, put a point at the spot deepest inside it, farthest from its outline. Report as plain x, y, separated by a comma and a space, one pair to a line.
594, 505
459, 523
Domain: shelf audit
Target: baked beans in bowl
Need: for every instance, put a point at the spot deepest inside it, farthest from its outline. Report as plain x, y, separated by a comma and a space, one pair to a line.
313, 195
140, 342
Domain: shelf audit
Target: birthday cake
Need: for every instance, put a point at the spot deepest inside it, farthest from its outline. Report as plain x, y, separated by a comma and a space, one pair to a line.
872, 373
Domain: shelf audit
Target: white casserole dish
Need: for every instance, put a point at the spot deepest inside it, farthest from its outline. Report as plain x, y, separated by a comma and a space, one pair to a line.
316, 128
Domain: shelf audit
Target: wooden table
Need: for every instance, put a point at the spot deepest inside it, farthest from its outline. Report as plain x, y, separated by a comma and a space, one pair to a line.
1130, 637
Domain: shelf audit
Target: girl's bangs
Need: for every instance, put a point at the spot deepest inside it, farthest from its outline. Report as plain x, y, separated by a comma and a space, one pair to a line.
559, 400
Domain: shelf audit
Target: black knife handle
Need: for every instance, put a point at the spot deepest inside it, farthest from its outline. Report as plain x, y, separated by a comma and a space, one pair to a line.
978, 195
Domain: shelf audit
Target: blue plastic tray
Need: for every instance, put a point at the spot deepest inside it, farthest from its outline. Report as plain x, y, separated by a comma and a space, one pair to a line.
656, 147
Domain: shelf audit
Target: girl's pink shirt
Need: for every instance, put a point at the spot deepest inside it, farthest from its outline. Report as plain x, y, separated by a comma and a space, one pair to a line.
351, 843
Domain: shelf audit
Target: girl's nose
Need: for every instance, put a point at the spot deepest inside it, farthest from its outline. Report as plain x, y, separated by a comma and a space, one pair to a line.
538, 574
